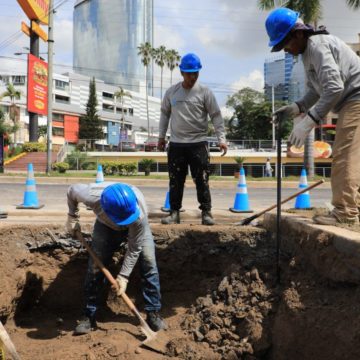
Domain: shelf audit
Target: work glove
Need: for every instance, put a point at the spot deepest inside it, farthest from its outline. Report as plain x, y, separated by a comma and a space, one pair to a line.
70, 225
122, 282
301, 130
291, 110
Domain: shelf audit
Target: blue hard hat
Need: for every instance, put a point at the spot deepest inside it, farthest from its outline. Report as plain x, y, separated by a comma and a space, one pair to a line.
279, 23
190, 63
120, 204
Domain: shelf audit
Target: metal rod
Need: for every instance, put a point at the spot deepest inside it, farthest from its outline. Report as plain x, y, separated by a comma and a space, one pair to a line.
278, 200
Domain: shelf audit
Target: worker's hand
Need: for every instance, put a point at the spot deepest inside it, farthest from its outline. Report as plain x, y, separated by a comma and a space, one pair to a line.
122, 282
161, 144
291, 110
72, 224
301, 130
223, 147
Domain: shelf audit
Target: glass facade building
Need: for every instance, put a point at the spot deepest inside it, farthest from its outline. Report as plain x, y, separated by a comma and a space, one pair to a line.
106, 37
277, 74
297, 83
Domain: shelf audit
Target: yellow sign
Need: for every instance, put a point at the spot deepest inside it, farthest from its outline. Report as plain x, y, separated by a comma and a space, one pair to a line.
36, 9
35, 27
25, 29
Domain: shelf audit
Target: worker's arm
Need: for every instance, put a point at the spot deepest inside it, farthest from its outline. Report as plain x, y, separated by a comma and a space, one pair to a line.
310, 98
164, 121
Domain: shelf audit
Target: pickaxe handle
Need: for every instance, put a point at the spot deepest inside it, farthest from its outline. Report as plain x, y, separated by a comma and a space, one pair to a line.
249, 219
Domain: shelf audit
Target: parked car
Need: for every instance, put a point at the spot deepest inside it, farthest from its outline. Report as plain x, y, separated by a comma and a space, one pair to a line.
151, 144
213, 144
127, 145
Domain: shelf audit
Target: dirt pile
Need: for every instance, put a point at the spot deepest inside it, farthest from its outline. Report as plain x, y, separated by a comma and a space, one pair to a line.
235, 320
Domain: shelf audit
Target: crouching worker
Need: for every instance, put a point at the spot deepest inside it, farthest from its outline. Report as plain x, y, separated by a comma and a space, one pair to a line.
121, 215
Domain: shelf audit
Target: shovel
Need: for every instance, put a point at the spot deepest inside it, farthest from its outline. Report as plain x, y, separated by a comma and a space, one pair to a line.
8, 344
154, 340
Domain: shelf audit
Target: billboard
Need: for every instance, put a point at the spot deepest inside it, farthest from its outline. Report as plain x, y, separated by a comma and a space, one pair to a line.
37, 85
322, 150
36, 9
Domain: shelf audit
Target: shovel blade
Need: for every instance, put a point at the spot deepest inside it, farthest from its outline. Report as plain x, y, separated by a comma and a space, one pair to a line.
157, 341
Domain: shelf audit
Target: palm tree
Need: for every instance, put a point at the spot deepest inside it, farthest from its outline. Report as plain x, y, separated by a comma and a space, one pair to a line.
145, 50
14, 94
172, 61
121, 94
160, 59
355, 4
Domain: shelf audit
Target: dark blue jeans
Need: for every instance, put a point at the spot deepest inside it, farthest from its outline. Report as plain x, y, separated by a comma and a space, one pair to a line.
105, 242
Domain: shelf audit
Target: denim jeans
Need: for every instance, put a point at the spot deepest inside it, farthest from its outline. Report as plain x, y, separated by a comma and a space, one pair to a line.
105, 242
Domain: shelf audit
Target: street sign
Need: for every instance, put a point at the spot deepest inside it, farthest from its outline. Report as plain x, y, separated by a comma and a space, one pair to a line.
35, 27
25, 29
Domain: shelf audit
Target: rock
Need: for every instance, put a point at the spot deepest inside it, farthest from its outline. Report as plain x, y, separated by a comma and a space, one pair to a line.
213, 337
198, 336
231, 355
138, 350
254, 274
113, 351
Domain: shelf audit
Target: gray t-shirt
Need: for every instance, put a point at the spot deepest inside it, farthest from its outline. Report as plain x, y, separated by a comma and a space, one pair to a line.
188, 111
139, 231
333, 75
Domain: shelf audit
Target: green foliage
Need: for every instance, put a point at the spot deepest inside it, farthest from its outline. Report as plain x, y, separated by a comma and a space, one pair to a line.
34, 147
252, 116
146, 165
118, 168
42, 130
4, 127
77, 160
90, 125
61, 167
13, 151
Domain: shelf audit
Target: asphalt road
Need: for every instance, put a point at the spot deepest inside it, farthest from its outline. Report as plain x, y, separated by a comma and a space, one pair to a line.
54, 197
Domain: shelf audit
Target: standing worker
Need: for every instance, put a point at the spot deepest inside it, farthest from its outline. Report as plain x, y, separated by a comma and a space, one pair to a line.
121, 214
333, 79
187, 105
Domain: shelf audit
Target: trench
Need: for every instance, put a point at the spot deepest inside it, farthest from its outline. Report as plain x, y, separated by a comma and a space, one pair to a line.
219, 293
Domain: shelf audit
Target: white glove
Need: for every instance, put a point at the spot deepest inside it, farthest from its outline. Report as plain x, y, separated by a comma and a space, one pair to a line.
291, 110
71, 222
122, 282
301, 130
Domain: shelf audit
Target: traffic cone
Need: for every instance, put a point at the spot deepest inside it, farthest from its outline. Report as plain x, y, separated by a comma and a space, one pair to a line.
30, 196
99, 175
166, 207
303, 200
241, 203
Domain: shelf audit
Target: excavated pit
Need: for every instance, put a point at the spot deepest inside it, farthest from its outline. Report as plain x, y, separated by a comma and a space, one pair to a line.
220, 299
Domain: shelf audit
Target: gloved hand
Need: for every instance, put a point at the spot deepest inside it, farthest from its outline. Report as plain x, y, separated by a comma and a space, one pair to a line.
301, 130
291, 110
71, 222
122, 282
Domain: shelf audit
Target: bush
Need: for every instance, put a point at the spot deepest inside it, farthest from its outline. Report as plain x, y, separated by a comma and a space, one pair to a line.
13, 151
76, 160
118, 168
130, 168
146, 164
34, 147
61, 167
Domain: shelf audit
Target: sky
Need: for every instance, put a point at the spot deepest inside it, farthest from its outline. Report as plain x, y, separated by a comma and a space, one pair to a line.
228, 35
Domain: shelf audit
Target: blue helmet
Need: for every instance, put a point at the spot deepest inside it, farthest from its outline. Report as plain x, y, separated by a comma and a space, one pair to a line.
120, 204
190, 63
279, 23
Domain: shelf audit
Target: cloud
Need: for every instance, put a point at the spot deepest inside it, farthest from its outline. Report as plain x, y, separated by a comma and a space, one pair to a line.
254, 80
63, 41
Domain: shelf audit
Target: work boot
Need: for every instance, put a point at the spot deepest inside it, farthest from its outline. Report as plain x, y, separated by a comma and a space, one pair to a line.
333, 220
155, 321
173, 218
84, 326
206, 218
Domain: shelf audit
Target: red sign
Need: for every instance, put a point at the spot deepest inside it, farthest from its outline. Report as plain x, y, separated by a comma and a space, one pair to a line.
37, 85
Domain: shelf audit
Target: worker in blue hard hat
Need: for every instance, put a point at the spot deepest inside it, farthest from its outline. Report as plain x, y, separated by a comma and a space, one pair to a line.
332, 70
121, 215
187, 106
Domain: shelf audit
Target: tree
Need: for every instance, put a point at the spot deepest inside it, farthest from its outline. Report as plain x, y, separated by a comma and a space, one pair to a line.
172, 61
145, 50
160, 60
252, 116
13, 94
90, 126
5, 128
121, 94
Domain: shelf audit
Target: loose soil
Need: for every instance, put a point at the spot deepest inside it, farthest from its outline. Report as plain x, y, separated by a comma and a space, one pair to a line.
221, 299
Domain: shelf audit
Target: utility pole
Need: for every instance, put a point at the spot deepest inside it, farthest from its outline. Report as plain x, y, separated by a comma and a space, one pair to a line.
33, 117
273, 117
50, 86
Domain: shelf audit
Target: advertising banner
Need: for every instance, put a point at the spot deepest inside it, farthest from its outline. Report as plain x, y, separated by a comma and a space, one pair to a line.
36, 9
322, 150
37, 85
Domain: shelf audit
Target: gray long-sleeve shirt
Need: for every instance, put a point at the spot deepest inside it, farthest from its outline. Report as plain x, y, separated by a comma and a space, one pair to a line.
139, 231
333, 75
188, 110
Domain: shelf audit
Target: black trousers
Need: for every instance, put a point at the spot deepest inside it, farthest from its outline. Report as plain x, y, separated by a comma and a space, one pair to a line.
197, 157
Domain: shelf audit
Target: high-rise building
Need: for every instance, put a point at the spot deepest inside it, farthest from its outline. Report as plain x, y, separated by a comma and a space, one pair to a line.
106, 39
277, 74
